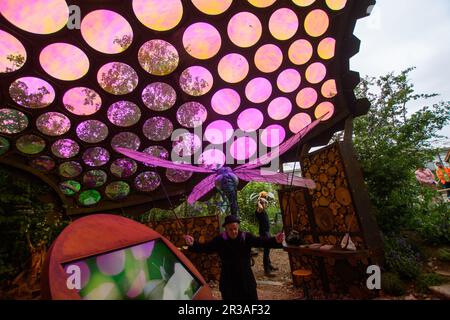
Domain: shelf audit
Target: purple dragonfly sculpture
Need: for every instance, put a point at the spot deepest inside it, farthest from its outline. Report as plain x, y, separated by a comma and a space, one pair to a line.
226, 179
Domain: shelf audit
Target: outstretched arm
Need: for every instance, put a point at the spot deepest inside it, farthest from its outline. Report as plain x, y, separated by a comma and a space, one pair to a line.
207, 247
262, 242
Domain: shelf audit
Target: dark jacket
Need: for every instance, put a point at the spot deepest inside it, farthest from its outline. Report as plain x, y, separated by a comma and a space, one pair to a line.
237, 281
263, 222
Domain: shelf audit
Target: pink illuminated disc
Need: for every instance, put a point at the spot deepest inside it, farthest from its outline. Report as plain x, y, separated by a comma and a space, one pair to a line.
10, 47
283, 24
106, 31
316, 72
250, 120
225, 101
201, 40
324, 108
124, 113
303, 3
219, 131
316, 23
196, 81
289, 80
158, 15
306, 98
326, 48
64, 61
273, 136
258, 90
212, 7
53, 124
191, 114
31, 92
299, 121
268, 58
262, 3
158, 57
212, 158
329, 89
300, 52
243, 148
82, 101
233, 68
336, 4
244, 29
117, 78
279, 108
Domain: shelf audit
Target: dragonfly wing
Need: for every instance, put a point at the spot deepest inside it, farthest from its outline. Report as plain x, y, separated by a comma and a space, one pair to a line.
202, 188
278, 178
149, 159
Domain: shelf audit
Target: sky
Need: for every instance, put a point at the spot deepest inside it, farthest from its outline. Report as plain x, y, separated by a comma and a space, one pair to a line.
408, 33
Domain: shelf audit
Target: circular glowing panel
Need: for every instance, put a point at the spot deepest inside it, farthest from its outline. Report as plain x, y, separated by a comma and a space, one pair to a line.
82, 101
299, 121
53, 124
196, 81
233, 68
250, 120
106, 31
273, 136
12, 53
316, 23
219, 131
306, 98
65, 149
117, 78
158, 57
158, 15
336, 4
225, 101
243, 148
268, 58
326, 48
258, 90
124, 113
289, 80
329, 89
64, 61
283, 24
201, 40
279, 108
262, 3
12, 121
31, 92
316, 72
300, 52
191, 114
212, 7
325, 108
244, 29
159, 96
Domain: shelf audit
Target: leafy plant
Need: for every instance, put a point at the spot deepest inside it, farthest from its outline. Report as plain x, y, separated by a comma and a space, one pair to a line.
444, 254
402, 258
392, 284
428, 280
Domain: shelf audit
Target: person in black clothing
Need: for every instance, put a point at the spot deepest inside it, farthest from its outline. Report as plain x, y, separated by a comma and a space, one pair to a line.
264, 230
237, 281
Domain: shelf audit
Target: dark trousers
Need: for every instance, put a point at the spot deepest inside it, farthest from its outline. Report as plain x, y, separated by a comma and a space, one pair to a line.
266, 257
447, 186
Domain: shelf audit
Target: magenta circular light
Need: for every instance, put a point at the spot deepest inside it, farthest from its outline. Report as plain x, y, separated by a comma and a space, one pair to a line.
262, 3
147, 181
53, 124
299, 121
186, 144
158, 15
123, 168
268, 58
316, 72
212, 7
82, 101
157, 128
156, 151
65, 148
326, 48
329, 89
201, 40
126, 140
196, 81
178, 176
243, 148
38, 16
250, 120
273, 136
106, 31
212, 158
306, 98
258, 90
31, 92
316, 23
283, 24
158, 57
289, 80
70, 169
111, 264
225, 101
244, 29
117, 78
233, 68
300, 52
219, 131
10, 47
64, 61
279, 108
191, 114
124, 113
96, 157
159, 96
92, 131
12, 121
324, 108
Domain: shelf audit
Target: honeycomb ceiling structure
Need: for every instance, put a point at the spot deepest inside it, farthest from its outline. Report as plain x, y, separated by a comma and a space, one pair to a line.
168, 78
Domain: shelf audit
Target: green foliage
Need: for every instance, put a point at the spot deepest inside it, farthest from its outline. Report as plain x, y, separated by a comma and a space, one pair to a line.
433, 224
247, 205
24, 220
402, 258
428, 280
444, 254
249, 227
392, 284
391, 145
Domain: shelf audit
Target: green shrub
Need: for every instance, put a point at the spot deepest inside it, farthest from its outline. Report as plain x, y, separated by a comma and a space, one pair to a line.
444, 255
428, 280
433, 224
392, 284
249, 227
402, 257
